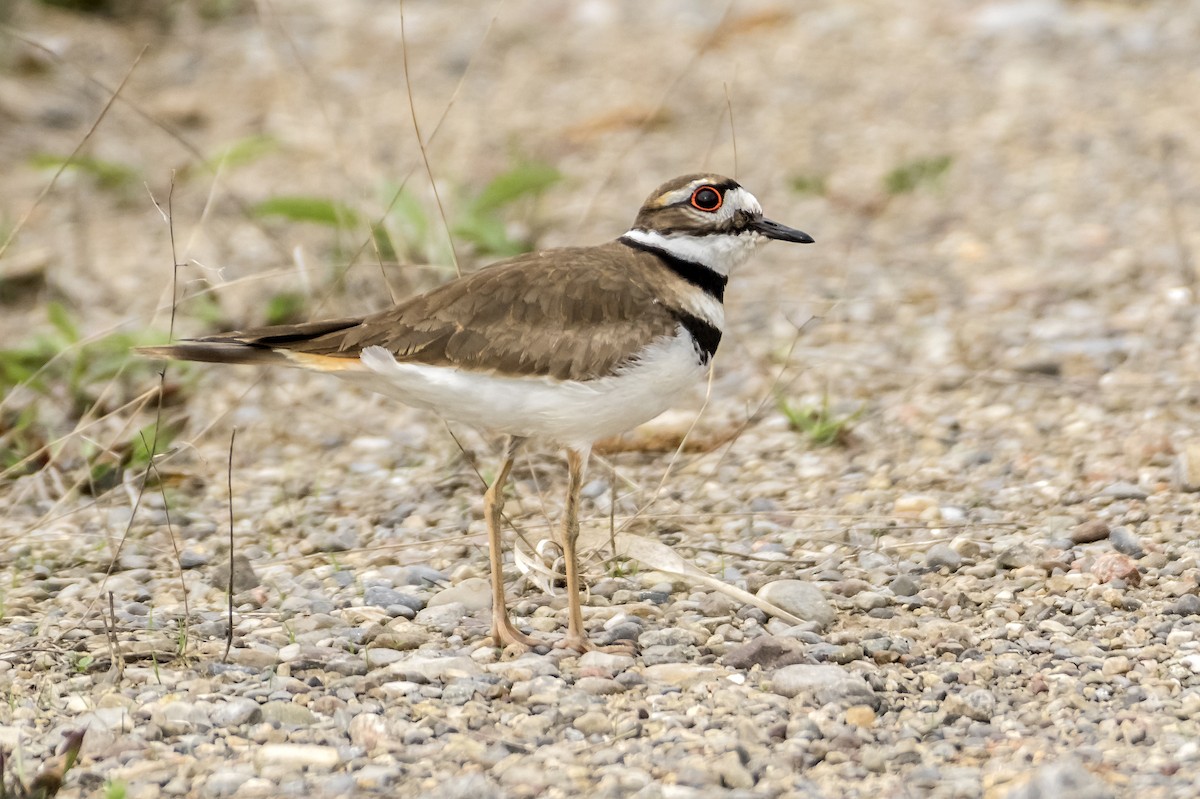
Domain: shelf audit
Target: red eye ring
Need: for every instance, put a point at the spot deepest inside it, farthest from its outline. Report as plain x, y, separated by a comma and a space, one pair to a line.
707, 198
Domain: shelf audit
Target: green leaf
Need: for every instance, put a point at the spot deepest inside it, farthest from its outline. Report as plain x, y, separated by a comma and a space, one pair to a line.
410, 215
908, 176
108, 174
61, 319
383, 243
286, 307
819, 423
809, 184
242, 151
407, 227
144, 440
489, 235
320, 210
520, 181
206, 308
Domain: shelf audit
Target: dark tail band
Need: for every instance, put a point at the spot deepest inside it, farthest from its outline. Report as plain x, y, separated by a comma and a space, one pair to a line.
213, 352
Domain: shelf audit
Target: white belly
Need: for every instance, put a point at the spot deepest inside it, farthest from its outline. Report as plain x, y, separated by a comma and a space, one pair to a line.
569, 412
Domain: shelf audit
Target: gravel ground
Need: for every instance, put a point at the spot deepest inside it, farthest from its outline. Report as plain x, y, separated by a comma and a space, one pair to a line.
996, 566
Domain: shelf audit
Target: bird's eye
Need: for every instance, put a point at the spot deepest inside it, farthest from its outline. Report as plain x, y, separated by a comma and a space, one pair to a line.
706, 198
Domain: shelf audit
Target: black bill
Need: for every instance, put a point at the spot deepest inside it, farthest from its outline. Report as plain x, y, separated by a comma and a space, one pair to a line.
774, 230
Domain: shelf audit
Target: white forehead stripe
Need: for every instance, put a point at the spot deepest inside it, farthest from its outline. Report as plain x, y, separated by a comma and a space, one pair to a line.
740, 199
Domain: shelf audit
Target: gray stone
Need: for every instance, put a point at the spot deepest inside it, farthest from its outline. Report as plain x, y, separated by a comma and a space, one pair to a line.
843, 654
943, 556
669, 653
297, 756
473, 593
257, 659
544, 690
716, 604
904, 586
1090, 531
442, 618
342, 540
192, 558
669, 636
458, 692
467, 786
418, 575
731, 772
435, 669
822, 683
593, 722
306, 656
384, 597
224, 782
766, 651
681, 674
870, 600
1186, 605
978, 704
1186, 471
236, 712
382, 656
611, 663
801, 599
133, 560
375, 778
330, 785
1123, 490
1063, 779
1017, 556
1126, 542
599, 686
288, 714
180, 718
305, 606
625, 631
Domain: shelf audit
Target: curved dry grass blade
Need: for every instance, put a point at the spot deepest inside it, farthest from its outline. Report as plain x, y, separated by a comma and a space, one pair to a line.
661, 557
534, 570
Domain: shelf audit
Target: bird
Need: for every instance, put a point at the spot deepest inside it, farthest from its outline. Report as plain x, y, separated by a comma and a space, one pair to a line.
565, 346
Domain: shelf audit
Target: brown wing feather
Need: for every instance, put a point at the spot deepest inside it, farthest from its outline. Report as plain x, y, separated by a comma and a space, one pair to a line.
572, 314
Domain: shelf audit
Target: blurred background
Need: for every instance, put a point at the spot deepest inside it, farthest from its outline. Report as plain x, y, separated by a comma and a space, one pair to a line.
993, 186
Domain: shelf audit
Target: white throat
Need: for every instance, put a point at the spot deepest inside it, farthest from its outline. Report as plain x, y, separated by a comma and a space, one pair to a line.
721, 253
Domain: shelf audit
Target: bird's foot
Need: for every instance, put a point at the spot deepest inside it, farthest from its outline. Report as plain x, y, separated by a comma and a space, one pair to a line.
575, 641
507, 636
623, 647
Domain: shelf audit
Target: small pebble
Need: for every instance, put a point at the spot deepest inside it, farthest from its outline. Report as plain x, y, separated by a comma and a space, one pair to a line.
473, 594
1123, 490
822, 683
1062, 779
1114, 566
801, 599
904, 586
1123, 540
1090, 531
593, 722
943, 556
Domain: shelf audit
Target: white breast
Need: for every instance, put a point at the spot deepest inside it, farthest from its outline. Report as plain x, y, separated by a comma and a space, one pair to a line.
569, 412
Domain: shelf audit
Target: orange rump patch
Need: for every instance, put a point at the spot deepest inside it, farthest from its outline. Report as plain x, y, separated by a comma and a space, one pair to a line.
323, 363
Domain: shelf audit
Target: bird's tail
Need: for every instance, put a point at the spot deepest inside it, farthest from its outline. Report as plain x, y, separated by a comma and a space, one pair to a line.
215, 351
263, 345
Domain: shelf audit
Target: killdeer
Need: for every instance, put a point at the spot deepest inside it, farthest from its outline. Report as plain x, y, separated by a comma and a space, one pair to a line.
568, 345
